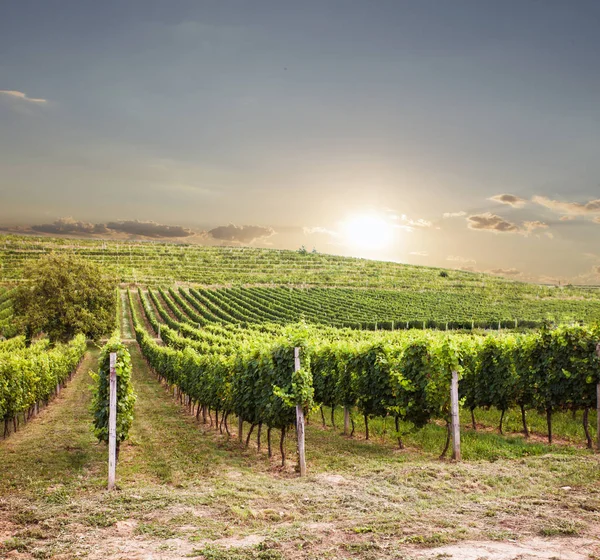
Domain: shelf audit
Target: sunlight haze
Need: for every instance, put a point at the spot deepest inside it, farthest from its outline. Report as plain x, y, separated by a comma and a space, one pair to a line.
475, 123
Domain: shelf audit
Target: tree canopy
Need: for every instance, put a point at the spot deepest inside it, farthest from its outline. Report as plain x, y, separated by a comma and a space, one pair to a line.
66, 295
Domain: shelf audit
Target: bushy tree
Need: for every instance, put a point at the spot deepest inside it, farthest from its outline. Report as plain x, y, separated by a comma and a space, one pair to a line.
66, 295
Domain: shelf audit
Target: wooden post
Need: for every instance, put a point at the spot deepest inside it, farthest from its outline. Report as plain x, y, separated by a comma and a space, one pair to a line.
346, 420
455, 426
598, 414
300, 422
598, 403
112, 422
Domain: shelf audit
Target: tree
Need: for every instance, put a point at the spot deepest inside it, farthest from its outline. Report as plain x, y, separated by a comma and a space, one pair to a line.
66, 295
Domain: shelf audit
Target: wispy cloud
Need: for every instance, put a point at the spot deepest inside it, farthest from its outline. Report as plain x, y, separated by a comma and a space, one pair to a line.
506, 271
22, 96
497, 224
419, 253
318, 229
529, 227
460, 214
464, 260
510, 199
409, 224
491, 222
569, 208
420, 222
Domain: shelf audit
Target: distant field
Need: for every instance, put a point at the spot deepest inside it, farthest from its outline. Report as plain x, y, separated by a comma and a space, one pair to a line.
283, 286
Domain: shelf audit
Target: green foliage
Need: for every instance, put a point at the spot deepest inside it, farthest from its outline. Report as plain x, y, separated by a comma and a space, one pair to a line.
323, 287
8, 325
249, 370
257, 382
125, 395
31, 375
66, 295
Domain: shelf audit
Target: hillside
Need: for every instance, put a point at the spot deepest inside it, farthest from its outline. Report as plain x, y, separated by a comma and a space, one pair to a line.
286, 286
164, 263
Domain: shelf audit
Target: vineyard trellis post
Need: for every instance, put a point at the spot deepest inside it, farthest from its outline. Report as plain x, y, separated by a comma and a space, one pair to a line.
598, 403
455, 418
300, 422
598, 414
346, 420
112, 422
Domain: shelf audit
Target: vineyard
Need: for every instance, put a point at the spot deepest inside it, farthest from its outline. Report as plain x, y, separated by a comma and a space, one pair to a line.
255, 285
31, 376
248, 371
7, 328
378, 346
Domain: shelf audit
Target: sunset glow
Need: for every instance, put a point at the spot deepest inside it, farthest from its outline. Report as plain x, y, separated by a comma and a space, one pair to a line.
368, 231
429, 133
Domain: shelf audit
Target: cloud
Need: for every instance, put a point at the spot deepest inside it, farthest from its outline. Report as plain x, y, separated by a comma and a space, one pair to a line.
149, 229
596, 220
69, 225
408, 224
460, 214
22, 96
463, 260
420, 222
497, 224
528, 227
318, 229
419, 253
570, 208
510, 199
491, 222
240, 234
506, 271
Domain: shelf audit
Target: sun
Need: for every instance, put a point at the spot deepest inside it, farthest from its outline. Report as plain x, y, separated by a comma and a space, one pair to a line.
367, 231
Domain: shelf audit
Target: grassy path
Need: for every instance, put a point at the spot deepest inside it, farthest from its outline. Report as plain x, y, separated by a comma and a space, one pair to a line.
56, 445
167, 444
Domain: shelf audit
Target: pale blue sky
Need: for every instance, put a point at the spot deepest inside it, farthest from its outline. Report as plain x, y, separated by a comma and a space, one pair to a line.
295, 115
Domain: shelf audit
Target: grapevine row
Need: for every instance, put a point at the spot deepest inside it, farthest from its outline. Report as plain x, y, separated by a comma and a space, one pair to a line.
405, 375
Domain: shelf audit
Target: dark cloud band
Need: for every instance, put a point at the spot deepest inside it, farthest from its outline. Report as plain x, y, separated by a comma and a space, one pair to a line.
65, 226
240, 234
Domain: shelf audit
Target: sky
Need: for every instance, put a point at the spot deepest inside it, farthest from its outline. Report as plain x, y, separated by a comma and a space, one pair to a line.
462, 134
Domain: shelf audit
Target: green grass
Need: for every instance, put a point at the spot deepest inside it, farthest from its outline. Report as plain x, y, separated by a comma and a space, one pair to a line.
485, 444
565, 425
